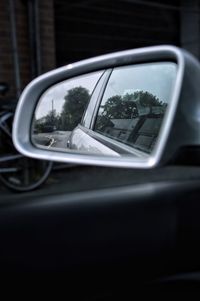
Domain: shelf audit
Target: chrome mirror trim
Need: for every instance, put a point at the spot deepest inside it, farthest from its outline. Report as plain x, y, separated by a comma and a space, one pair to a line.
31, 94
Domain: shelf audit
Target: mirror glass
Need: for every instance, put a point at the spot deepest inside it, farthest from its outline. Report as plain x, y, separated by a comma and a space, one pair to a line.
113, 112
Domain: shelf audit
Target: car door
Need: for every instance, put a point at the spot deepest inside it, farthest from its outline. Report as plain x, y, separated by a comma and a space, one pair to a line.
123, 115
81, 138
112, 230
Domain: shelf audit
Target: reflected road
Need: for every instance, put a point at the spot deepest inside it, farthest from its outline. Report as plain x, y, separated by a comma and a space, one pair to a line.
53, 139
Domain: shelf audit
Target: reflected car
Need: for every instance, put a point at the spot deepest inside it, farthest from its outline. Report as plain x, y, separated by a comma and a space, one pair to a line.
49, 128
121, 118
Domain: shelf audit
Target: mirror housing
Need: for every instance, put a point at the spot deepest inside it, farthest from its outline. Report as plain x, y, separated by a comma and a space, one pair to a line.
181, 126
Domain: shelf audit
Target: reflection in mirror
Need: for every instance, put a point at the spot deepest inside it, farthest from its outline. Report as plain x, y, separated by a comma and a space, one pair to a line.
112, 112
60, 110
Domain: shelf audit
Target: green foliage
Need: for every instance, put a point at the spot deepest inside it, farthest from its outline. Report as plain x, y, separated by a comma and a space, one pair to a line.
146, 99
51, 120
127, 106
75, 104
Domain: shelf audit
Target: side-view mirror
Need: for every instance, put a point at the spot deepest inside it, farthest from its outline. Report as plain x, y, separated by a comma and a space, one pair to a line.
135, 108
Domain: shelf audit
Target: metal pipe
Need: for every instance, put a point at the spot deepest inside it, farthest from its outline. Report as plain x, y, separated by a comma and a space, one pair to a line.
15, 47
34, 34
32, 38
10, 157
37, 37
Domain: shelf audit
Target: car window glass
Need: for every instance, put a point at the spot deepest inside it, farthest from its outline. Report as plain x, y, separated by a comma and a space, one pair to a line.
62, 106
134, 103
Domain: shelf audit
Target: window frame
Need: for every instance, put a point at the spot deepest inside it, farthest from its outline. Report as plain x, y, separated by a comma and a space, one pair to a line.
92, 102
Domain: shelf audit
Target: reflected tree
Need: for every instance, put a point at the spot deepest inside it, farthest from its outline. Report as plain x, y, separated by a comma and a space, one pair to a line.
128, 106
147, 100
49, 122
75, 104
51, 118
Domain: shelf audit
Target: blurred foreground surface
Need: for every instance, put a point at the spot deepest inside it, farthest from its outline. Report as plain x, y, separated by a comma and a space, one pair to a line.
75, 179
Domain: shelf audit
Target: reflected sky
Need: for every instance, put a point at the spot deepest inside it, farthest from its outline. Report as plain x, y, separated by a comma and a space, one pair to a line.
157, 78
54, 96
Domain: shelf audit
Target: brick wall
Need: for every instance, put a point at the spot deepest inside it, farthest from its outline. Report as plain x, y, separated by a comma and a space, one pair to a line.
6, 62
22, 31
47, 34
47, 45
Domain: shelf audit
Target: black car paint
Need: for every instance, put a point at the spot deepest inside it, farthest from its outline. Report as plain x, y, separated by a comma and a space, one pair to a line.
99, 234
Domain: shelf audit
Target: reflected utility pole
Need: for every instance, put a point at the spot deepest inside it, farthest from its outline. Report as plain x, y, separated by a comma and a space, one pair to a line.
52, 103
52, 112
